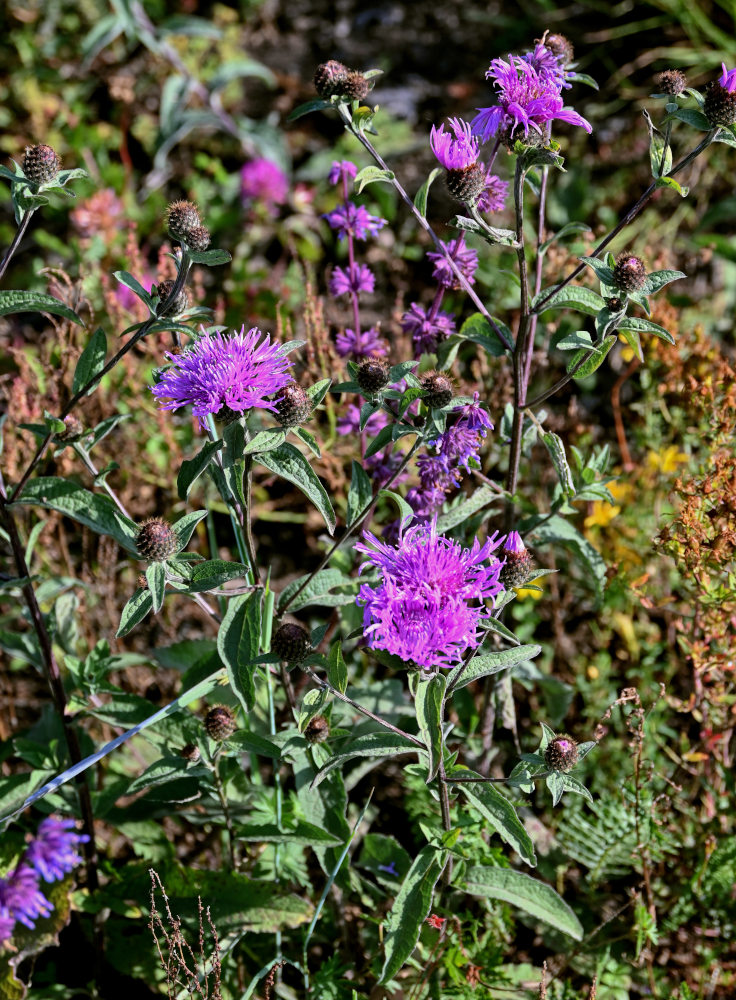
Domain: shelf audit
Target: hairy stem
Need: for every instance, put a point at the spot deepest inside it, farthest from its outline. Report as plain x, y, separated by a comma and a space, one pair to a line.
19, 234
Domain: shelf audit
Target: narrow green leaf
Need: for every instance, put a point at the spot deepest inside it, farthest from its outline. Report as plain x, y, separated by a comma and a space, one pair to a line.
318, 391
20, 302
498, 811
428, 705
371, 745
406, 512
360, 493
91, 360
213, 573
632, 339
337, 671
253, 743
135, 610
210, 258
478, 330
558, 530
497, 627
302, 833
658, 279
289, 463
410, 910
184, 527
266, 440
318, 590
670, 182
602, 271
493, 663
420, 198
156, 579
384, 436
526, 893
192, 468
583, 300
237, 643
555, 447
691, 117
127, 279
94, 511
316, 104
594, 362
312, 704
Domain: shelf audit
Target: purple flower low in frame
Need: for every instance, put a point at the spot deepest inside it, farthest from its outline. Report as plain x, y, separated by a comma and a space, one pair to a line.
458, 152
353, 279
546, 63
464, 257
342, 170
354, 220
21, 898
217, 371
427, 330
429, 603
53, 851
360, 345
526, 99
493, 196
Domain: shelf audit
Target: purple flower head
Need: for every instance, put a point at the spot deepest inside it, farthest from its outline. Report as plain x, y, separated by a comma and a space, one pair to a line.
349, 423
21, 898
476, 417
382, 467
427, 331
436, 472
526, 98
216, 371
464, 257
360, 345
425, 501
458, 153
547, 64
354, 279
341, 169
354, 220
493, 196
430, 602
514, 543
728, 79
52, 853
459, 445
263, 180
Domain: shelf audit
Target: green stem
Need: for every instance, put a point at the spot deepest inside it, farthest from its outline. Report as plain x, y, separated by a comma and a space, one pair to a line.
234, 863
20, 232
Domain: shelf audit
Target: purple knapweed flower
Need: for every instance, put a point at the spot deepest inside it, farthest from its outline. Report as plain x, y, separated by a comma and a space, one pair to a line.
456, 153
354, 279
728, 79
546, 63
52, 853
428, 606
514, 543
263, 180
360, 345
238, 372
341, 170
349, 423
526, 98
493, 196
464, 257
21, 897
354, 220
427, 331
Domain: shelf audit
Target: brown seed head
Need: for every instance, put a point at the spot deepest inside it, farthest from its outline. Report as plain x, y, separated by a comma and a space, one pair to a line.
317, 730
561, 753
467, 184
198, 238
561, 47
629, 274
190, 752
293, 406
373, 374
671, 81
181, 302
156, 540
220, 723
41, 164
329, 78
290, 642
438, 387
181, 218
719, 106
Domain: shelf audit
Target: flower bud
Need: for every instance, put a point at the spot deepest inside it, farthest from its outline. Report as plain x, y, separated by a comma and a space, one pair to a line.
73, 429
615, 305
220, 723
629, 274
561, 753
293, 406
41, 164
518, 561
198, 239
317, 730
190, 752
181, 218
561, 47
181, 302
329, 78
290, 642
719, 106
438, 388
466, 184
355, 86
156, 540
373, 374
671, 81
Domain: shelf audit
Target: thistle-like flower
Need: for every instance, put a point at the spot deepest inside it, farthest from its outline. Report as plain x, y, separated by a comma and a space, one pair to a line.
458, 152
719, 106
238, 372
429, 604
493, 196
527, 100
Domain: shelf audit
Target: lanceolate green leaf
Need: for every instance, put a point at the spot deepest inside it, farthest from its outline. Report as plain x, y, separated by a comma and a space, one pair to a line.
360, 493
337, 671
594, 362
136, 609
156, 579
555, 447
237, 644
428, 703
420, 198
19, 302
493, 663
91, 361
94, 511
533, 897
289, 463
498, 811
192, 468
411, 908
371, 745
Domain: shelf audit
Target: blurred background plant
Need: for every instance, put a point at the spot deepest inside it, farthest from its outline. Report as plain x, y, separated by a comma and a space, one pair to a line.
156, 106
